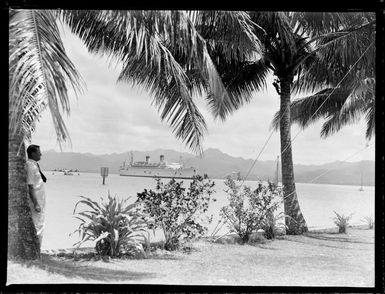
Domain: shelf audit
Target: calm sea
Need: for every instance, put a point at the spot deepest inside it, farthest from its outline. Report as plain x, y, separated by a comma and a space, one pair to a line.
317, 202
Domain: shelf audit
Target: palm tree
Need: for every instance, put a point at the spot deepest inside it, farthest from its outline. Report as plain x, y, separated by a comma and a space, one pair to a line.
38, 68
146, 43
290, 46
344, 92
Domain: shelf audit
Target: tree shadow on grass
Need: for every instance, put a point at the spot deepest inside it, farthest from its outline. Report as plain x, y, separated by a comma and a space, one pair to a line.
76, 270
166, 257
305, 239
265, 247
337, 238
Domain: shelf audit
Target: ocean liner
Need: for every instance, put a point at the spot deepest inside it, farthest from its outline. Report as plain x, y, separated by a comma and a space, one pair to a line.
160, 169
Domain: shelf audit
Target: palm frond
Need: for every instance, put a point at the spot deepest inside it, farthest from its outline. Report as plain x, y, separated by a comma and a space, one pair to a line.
316, 23
38, 71
158, 49
230, 32
279, 42
138, 39
172, 99
241, 80
370, 117
307, 110
335, 55
348, 114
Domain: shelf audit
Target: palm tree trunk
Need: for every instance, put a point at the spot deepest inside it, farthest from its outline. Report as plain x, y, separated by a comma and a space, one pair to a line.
22, 239
294, 220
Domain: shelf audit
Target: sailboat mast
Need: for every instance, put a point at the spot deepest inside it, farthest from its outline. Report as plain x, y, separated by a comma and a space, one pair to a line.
277, 172
362, 182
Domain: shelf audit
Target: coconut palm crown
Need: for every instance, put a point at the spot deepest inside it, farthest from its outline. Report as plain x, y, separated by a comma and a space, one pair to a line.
292, 45
343, 79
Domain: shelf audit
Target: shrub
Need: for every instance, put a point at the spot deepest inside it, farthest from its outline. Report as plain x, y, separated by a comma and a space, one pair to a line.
369, 221
342, 222
177, 212
115, 227
249, 211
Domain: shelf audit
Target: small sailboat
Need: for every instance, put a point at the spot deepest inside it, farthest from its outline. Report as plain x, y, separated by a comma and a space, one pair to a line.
362, 183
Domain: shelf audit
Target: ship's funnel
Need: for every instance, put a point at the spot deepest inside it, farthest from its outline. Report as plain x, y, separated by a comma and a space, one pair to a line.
161, 158
147, 159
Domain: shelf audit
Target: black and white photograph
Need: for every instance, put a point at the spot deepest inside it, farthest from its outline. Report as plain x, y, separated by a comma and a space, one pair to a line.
192, 147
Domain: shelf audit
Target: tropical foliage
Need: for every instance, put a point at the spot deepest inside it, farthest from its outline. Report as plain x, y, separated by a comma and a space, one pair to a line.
114, 226
39, 72
156, 49
274, 225
342, 222
179, 213
250, 210
305, 51
165, 53
369, 220
341, 79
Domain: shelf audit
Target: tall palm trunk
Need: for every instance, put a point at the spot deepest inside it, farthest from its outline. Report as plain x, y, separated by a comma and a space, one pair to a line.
22, 239
294, 221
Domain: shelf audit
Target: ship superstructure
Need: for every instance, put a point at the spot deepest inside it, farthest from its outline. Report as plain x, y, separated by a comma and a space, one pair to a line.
160, 169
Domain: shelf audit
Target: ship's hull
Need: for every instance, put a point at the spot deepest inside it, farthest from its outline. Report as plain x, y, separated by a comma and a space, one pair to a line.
185, 173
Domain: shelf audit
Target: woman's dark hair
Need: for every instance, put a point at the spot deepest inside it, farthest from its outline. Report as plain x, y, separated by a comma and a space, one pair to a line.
32, 148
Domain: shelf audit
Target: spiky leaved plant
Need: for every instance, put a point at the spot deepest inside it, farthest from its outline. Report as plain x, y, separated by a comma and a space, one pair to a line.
369, 220
342, 222
115, 226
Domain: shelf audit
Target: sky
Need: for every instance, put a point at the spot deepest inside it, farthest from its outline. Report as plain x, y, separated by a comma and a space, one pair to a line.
111, 117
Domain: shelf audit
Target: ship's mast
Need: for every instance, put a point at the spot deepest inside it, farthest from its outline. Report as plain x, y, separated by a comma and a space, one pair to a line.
131, 157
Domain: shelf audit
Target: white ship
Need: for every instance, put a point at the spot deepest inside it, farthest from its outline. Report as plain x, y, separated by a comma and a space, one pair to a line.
160, 169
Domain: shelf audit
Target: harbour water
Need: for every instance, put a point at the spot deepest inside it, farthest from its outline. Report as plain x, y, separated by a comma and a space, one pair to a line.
317, 202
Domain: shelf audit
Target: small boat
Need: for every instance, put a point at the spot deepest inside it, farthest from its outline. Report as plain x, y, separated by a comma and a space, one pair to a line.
67, 172
236, 176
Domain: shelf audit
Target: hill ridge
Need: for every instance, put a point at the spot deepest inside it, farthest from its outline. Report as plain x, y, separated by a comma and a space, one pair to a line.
216, 164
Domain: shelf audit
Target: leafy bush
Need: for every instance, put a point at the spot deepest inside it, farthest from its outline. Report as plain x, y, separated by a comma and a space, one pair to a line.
179, 213
249, 211
342, 222
115, 227
369, 221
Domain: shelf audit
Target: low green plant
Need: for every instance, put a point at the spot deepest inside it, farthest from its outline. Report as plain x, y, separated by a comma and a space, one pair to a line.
342, 222
115, 226
251, 210
273, 225
178, 212
369, 220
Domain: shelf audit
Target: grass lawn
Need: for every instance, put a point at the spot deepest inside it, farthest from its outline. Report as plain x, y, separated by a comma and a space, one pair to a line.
315, 259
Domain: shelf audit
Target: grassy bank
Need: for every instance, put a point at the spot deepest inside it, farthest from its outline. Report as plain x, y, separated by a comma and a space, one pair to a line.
316, 259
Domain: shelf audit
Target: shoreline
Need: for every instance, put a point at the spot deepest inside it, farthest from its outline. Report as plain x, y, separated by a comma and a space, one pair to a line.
222, 179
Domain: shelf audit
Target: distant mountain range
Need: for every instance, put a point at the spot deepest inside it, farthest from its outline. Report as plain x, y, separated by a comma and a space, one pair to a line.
217, 165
